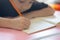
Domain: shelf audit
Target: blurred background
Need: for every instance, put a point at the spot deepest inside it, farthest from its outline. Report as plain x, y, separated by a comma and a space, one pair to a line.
55, 4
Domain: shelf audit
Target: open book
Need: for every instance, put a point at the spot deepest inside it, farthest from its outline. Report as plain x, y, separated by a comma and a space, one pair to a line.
41, 23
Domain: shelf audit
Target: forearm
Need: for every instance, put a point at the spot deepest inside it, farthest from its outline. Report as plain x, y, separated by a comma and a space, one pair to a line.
40, 13
5, 22
15, 23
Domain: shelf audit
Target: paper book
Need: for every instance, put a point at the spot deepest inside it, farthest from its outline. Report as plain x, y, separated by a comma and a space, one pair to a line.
41, 23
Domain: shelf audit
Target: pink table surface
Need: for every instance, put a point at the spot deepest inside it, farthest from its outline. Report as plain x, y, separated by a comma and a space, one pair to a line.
9, 34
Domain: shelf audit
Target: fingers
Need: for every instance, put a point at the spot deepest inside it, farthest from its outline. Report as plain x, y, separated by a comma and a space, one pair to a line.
25, 22
21, 23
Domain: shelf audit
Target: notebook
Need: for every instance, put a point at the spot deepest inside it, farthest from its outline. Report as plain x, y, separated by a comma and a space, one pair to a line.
41, 23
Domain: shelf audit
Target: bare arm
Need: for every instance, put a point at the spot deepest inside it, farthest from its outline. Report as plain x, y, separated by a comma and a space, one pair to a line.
15, 23
40, 13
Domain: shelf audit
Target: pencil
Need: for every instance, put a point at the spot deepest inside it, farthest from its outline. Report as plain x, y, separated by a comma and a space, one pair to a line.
16, 8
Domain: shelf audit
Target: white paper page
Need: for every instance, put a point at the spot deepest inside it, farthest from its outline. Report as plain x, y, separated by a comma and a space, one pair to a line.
38, 25
43, 23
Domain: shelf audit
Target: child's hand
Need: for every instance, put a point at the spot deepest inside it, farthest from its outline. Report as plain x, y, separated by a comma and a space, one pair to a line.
19, 23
